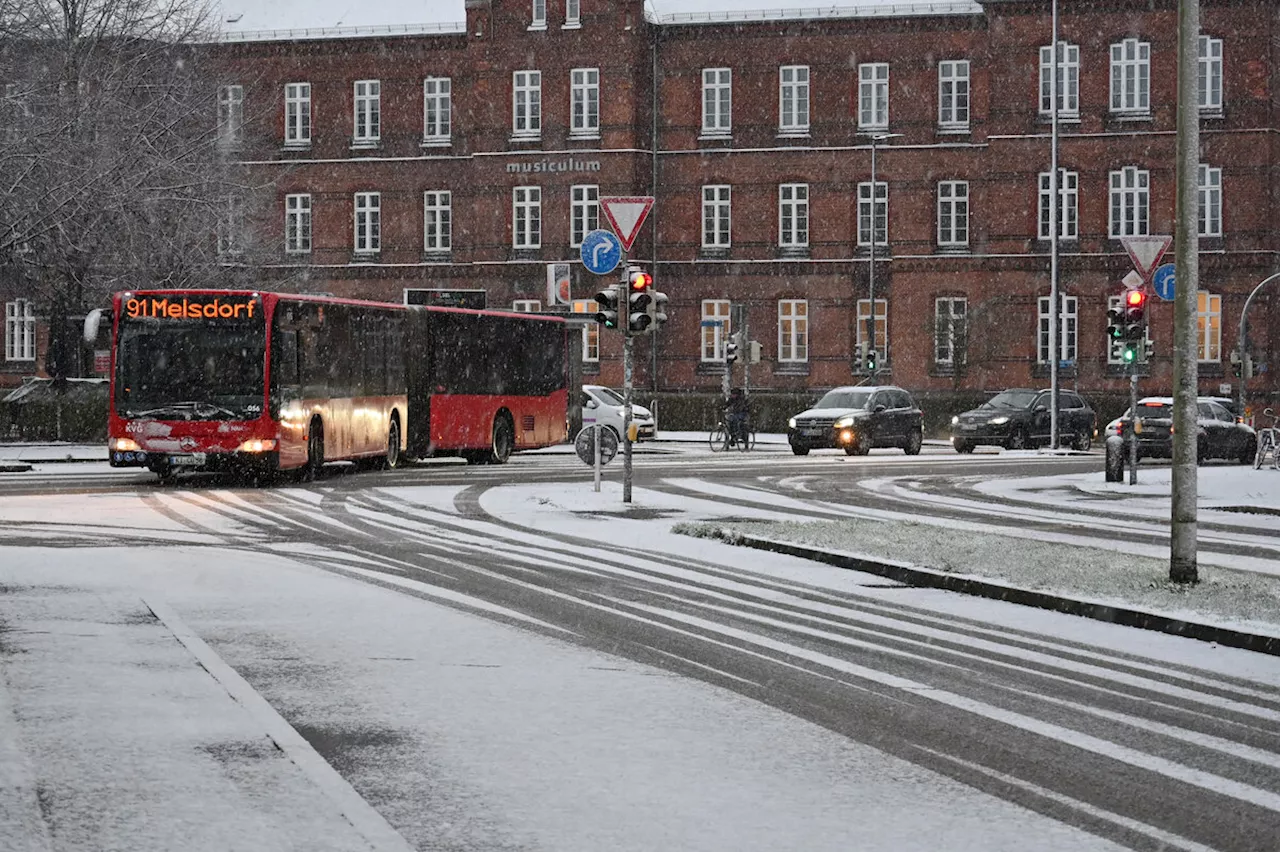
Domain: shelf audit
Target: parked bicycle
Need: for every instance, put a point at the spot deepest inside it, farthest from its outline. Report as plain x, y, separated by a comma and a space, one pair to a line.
723, 439
1268, 443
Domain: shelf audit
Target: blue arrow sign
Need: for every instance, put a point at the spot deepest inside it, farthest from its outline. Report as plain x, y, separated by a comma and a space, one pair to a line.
601, 252
1162, 281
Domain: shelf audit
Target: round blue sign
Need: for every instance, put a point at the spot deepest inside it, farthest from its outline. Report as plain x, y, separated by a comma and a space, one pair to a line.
601, 252
1162, 282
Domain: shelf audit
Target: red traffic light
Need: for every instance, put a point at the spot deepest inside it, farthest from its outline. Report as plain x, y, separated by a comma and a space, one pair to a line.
641, 281
1135, 298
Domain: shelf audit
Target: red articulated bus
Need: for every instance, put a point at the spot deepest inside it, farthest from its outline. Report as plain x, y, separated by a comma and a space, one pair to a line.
261, 382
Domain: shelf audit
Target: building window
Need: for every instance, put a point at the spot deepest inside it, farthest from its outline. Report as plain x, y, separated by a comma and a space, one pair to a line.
1068, 205
437, 109
526, 217
873, 96
1208, 326
368, 124
231, 115
882, 327
793, 215
368, 223
715, 328
953, 213
793, 99
793, 331
1131, 76
526, 104
590, 332
1210, 72
585, 98
297, 223
585, 216
231, 228
20, 330
877, 213
949, 330
1066, 330
297, 114
1210, 201
1068, 80
1115, 348
717, 92
716, 201
437, 218
1130, 195
953, 95
572, 13
539, 15
526, 306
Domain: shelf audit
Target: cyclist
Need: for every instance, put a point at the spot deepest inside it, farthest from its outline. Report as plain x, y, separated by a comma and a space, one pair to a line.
737, 410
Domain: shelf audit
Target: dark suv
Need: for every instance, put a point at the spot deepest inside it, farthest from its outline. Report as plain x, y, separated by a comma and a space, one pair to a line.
1018, 419
856, 419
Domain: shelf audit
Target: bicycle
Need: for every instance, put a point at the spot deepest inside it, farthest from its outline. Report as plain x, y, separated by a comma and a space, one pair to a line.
721, 440
1268, 443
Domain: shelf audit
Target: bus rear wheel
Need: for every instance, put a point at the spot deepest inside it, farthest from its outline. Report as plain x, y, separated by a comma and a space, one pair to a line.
392, 459
503, 441
315, 452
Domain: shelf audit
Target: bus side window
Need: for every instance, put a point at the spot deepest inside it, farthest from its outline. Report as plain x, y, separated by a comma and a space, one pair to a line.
284, 360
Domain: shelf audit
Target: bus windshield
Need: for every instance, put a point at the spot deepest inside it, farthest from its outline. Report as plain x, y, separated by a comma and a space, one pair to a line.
190, 370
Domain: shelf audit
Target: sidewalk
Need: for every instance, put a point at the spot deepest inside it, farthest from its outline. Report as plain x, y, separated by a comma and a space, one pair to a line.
43, 453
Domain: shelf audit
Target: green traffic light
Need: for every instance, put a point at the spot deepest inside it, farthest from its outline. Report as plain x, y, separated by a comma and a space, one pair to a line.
1130, 354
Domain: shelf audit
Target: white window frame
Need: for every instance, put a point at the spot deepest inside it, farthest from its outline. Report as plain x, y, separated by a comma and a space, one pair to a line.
873, 96
1210, 201
231, 115
1131, 77
1115, 348
437, 221
20, 330
881, 213
297, 114
1068, 206
526, 104
572, 14
590, 331
950, 328
584, 101
538, 18
437, 110
793, 215
953, 95
584, 213
714, 337
882, 328
717, 216
526, 306
1068, 80
793, 331
297, 223
367, 221
1068, 327
1129, 203
1208, 326
526, 217
366, 128
1209, 70
953, 213
793, 100
717, 101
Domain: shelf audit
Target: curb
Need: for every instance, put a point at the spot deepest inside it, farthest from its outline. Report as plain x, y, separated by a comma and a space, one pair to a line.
7, 466
930, 579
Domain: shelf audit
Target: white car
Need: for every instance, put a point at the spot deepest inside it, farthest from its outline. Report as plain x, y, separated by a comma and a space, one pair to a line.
605, 405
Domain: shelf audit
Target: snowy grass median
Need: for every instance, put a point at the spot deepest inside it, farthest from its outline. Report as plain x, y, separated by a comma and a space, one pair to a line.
1234, 599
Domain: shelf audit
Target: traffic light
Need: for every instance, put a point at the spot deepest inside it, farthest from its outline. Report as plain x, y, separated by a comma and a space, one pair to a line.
607, 312
731, 349
1129, 325
639, 300
658, 309
1135, 312
870, 361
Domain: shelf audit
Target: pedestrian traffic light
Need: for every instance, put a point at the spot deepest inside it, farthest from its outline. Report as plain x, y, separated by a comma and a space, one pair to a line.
731, 349
658, 309
639, 300
1148, 350
607, 312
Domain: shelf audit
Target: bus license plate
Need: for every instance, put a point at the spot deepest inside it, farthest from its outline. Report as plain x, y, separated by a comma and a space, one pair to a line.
187, 460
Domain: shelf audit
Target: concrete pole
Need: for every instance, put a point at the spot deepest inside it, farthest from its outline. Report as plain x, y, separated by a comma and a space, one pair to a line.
1186, 377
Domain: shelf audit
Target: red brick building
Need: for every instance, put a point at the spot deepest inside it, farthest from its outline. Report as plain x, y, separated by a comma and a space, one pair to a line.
471, 157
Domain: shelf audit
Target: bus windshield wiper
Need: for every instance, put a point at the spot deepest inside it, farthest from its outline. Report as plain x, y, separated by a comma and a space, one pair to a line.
197, 408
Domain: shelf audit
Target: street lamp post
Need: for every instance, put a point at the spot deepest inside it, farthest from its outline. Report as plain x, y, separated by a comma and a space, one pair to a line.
871, 265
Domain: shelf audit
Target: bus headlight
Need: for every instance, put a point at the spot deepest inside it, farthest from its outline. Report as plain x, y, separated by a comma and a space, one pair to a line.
124, 445
258, 445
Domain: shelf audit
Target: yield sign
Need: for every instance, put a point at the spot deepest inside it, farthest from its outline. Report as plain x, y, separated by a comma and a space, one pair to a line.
1145, 252
626, 214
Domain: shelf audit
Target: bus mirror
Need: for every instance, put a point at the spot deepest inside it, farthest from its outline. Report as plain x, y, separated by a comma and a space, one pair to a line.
92, 324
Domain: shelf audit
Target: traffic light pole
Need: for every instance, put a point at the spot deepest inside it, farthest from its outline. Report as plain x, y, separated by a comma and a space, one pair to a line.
1133, 423
628, 368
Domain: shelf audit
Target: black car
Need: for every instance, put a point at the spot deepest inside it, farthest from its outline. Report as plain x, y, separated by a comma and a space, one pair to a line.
1220, 434
1018, 419
855, 419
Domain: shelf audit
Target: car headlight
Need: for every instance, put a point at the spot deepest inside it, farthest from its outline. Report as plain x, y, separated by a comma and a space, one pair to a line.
998, 421
791, 423
844, 422
955, 420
